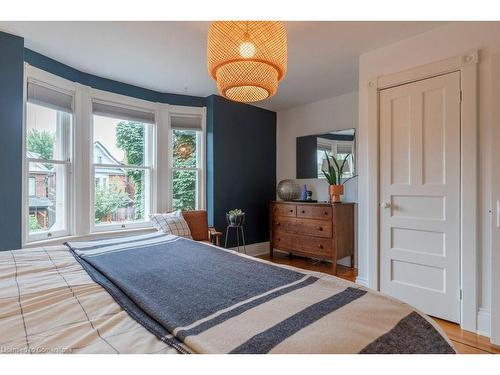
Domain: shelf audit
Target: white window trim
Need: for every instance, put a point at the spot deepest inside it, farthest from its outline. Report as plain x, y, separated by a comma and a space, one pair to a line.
179, 111
81, 197
151, 147
56, 83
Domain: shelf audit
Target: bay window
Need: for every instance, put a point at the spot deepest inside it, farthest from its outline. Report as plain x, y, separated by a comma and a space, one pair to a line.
96, 161
49, 115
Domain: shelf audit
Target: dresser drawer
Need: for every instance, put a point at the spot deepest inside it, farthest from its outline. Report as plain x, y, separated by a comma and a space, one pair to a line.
285, 210
315, 246
317, 228
308, 227
314, 212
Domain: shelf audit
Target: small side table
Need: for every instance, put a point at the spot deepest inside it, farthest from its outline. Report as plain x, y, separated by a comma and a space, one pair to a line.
237, 227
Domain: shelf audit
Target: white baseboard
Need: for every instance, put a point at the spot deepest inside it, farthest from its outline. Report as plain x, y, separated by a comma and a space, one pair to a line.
362, 281
483, 322
255, 249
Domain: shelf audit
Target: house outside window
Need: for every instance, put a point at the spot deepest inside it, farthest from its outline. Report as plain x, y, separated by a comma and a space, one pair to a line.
32, 186
48, 158
122, 165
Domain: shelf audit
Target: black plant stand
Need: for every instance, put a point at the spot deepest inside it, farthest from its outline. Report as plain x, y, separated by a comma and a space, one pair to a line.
238, 227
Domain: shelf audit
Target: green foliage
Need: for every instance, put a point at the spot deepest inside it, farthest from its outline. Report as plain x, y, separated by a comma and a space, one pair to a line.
235, 212
335, 172
107, 201
184, 181
130, 139
33, 224
41, 142
330, 174
184, 190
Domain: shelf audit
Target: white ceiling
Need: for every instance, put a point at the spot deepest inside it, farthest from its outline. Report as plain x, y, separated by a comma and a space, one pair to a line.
171, 56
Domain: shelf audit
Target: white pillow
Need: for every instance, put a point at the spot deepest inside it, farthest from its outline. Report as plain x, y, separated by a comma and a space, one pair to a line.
172, 223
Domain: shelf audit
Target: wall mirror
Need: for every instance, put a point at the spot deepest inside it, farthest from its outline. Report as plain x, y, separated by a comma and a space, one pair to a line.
311, 159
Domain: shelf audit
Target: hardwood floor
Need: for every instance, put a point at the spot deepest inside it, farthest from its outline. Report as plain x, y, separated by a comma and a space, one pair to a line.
465, 342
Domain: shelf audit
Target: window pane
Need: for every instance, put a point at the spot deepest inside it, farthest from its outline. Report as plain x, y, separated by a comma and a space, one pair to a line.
121, 195
46, 130
32, 186
184, 190
47, 197
184, 148
119, 141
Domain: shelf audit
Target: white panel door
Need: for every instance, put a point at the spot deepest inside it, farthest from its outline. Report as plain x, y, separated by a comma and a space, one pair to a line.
420, 194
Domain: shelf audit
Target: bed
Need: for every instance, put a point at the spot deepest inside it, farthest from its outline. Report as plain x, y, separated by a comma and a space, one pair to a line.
160, 293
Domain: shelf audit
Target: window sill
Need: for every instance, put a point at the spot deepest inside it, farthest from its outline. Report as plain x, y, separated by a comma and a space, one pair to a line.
87, 237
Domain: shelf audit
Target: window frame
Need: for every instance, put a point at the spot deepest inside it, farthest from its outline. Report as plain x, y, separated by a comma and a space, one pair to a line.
181, 111
150, 155
61, 85
80, 195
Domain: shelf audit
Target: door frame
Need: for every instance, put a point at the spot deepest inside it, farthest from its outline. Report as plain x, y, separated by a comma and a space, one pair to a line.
495, 208
467, 65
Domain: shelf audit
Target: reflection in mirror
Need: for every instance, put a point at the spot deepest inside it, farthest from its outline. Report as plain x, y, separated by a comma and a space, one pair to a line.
311, 159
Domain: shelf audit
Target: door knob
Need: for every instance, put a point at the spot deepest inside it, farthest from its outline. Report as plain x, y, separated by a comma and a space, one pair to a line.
385, 205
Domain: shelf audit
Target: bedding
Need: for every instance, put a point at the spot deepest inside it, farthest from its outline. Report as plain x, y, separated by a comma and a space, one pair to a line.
160, 293
172, 223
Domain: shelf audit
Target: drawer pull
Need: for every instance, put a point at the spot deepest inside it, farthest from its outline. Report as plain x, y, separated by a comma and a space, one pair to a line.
279, 239
303, 212
326, 212
320, 229
278, 223
291, 210
320, 246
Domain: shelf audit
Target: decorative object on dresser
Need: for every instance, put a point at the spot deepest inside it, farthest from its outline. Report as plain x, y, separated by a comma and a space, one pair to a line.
317, 230
288, 190
333, 174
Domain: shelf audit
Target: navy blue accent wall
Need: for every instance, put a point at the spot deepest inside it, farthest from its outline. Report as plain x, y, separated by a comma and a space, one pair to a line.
241, 165
52, 66
11, 120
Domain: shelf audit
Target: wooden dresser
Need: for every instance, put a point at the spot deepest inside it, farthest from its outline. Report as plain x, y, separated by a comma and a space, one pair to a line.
316, 230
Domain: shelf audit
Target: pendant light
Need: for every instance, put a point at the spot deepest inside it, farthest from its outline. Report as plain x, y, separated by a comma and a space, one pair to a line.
247, 58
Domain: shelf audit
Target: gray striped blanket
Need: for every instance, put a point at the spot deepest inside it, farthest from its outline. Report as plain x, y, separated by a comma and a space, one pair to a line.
201, 299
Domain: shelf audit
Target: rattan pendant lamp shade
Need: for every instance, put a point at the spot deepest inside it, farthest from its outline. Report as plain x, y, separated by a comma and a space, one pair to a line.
247, 58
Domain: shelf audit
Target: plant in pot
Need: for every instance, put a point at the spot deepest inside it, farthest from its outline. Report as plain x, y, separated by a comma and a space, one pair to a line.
334, 177
235, 217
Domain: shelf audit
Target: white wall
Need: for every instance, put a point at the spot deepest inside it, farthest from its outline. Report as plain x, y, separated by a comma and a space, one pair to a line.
495, 198
336, 113
448, 41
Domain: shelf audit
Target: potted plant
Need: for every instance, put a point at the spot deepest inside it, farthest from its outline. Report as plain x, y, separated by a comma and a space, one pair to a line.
235, 217
334, 177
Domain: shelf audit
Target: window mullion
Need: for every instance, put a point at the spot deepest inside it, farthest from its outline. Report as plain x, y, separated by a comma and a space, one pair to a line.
48, 161
127, 166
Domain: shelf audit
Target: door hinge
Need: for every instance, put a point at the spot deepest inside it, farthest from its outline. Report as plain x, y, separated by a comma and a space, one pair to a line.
461, 96
461, 294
